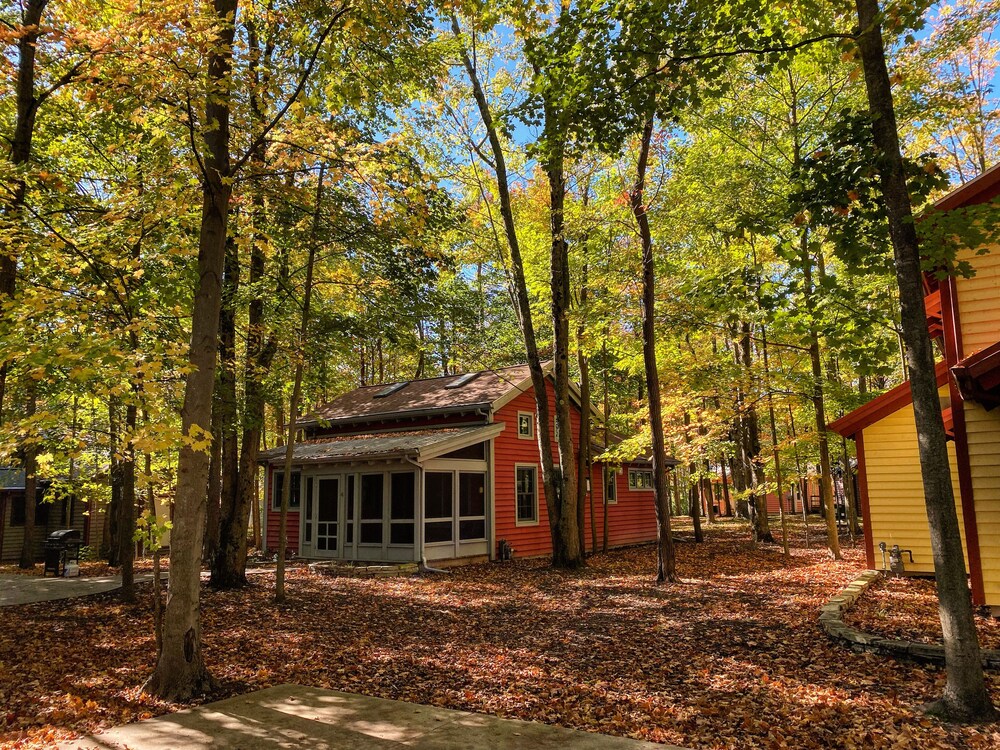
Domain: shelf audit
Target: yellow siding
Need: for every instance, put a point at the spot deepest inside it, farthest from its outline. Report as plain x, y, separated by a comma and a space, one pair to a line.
979, 312
896, 491
983, 429
979, 301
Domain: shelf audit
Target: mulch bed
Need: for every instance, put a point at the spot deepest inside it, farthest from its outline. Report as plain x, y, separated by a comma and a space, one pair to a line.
906, 609
732, 657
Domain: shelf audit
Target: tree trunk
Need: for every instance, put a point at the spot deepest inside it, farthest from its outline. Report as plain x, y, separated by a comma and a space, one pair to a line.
775, 448
819, 406
226, 405
965, 695
666, 565
693, 504
227, 570
112, 542
561, 503
551, 480
20, 154
725, 487
293, 414
585, 465
27, 561
761, 524
605, 531
126, 517
180, 670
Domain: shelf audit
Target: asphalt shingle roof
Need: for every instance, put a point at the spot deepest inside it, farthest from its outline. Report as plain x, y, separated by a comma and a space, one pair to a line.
431, 394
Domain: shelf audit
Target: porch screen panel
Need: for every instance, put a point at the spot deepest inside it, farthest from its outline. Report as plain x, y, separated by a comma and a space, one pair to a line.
349, 531
471, 506
438, 507
401, 507
372, 510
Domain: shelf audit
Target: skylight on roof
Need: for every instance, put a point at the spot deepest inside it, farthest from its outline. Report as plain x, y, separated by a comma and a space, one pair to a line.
462, 380
389, 390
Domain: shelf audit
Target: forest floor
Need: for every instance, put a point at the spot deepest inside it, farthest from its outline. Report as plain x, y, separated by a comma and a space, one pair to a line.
906, 609
731, 657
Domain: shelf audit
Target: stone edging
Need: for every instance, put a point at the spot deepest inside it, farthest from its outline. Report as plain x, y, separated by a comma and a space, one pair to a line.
831, 618
346, 570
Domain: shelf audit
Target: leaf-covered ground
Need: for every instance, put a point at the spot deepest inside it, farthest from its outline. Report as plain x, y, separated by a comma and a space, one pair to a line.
906, 608
731, 657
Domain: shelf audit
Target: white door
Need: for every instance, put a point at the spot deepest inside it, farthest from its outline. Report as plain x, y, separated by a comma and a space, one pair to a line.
326, 518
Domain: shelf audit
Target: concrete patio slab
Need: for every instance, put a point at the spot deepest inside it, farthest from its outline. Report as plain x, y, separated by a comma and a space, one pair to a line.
293, 716
31, 589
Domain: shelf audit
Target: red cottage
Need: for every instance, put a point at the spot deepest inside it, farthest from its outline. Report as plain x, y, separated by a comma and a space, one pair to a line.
436, 470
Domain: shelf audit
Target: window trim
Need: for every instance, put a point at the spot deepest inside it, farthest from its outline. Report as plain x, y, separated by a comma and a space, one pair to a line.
537, 518
276, 498
531, 425
611, 477
637, 472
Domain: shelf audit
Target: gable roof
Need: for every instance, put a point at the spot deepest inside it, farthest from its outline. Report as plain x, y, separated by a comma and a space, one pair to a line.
882, 406
446, 394
982, 189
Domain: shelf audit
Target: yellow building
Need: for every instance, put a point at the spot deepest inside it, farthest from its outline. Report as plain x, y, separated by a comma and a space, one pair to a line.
963, 314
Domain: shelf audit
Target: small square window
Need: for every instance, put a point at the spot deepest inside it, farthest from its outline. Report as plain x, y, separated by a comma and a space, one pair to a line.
525, 425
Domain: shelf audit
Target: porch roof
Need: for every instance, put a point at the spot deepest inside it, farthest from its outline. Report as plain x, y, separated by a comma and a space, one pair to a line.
418, 445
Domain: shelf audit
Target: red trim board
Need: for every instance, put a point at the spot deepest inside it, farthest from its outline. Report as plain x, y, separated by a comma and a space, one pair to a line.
866, 511
953, 353
881, 406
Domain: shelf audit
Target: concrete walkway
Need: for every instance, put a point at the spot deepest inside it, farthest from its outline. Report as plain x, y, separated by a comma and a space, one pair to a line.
31, 589
291, 716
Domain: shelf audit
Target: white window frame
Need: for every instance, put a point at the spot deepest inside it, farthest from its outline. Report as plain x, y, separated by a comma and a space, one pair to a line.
638, 473
611, 475
276, 498
531, 425
536, 520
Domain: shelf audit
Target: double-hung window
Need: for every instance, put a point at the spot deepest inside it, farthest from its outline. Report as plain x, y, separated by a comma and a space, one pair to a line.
526, 494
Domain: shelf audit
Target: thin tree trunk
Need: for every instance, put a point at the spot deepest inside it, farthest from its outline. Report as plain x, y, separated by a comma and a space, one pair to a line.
725, 487
126, 518
666, 566
300, 351
693, 508
180, 670
27, 561
761, 524
605, 376
819, 405
965, 695
551, 480
112, 541
774, 445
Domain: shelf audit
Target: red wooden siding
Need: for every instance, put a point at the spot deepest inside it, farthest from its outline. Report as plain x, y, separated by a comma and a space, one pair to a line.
630, 521
274, 520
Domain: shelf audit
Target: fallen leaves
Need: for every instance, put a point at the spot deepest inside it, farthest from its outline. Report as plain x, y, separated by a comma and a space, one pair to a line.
731, 658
